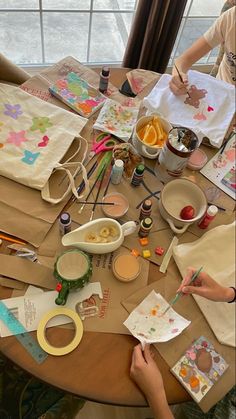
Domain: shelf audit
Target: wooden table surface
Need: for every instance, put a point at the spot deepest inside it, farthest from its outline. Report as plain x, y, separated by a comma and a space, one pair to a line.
98, 369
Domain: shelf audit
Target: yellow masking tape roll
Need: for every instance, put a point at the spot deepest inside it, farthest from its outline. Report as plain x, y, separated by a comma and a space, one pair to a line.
42, 340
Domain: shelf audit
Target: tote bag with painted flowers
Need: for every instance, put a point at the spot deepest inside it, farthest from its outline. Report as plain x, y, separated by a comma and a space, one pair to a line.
34, 136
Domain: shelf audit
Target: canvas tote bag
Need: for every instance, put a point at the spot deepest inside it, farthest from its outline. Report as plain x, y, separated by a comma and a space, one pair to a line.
215, 251
34, 136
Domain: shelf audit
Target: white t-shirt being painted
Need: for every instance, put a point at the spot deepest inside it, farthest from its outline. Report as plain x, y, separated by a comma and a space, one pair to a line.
223, 32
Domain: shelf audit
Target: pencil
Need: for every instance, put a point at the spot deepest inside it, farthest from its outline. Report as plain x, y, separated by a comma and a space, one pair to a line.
11, 239
181, 79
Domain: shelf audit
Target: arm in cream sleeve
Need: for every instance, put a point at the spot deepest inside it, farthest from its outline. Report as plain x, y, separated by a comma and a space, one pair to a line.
184, 62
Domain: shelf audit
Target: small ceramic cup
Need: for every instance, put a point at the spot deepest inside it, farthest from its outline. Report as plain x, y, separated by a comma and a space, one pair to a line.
119, 209
177, 194
151, 152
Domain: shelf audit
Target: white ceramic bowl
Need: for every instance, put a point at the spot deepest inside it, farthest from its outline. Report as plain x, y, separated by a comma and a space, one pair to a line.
77, 237
177, 194
151, 152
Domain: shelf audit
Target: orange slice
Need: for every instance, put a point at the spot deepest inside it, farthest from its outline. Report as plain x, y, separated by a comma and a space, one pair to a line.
150, 137
141, 132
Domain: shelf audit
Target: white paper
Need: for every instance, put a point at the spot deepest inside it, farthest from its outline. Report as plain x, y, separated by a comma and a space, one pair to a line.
117, 119
147, 324
29, 309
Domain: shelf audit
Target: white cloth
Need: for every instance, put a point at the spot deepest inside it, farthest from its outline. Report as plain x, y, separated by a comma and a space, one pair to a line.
213, 110
215, 251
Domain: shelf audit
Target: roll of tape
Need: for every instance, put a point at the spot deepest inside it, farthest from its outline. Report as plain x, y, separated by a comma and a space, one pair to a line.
42, 340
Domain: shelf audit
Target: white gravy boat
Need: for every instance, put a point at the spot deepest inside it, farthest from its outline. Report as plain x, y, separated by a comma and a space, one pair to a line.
77, 237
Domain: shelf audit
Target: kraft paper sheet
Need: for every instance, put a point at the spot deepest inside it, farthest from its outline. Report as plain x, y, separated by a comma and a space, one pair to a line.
172, 351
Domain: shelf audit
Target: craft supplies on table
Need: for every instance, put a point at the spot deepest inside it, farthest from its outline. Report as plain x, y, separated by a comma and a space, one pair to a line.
8, 317
208, 217
208, 111
221, 170
137, 176
77, 94
146, 209
120, 207
41, 335
101, 142
174, 155
116, 119
199, 368
117, 171
126, 267
73, 270
65, 223
148, 326
145, 227
104, 79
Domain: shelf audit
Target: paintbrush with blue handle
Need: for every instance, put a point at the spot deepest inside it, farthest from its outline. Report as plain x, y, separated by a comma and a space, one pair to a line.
179, 294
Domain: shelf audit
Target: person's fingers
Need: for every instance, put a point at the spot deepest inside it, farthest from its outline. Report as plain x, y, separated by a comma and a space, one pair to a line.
187, 278
193, 290
184, 78
147, 353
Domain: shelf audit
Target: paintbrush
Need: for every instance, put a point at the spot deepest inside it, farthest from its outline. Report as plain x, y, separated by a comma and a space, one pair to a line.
99, 203
181, 79
92, 188
98, 191
226, 141
11, 239
179, 294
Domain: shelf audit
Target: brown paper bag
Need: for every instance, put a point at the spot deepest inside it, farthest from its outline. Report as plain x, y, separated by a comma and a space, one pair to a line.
27, 272
173, 350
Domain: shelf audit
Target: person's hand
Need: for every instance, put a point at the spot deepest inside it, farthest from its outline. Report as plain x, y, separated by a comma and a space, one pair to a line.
177, 86
145, 373
205, 286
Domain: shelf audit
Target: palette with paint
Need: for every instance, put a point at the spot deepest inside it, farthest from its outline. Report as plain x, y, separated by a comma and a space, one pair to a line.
199, 368
148, 325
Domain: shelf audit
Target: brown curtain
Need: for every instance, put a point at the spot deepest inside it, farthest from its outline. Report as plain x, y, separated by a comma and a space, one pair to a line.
153, 34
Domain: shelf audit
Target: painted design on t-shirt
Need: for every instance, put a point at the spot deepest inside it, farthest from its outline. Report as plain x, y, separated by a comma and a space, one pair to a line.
195, 94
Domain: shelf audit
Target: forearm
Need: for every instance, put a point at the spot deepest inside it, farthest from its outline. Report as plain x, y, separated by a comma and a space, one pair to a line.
192, 55
160, 407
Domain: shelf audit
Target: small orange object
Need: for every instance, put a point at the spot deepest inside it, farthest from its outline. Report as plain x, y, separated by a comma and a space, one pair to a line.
159, 250
143, 241
194, 382
153, 311
135, 252
183, 372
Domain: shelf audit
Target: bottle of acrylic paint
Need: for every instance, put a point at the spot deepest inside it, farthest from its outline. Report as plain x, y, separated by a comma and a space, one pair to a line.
117, 171
137, 175
208, 217
104, 79
145, 227
146, 209
65, 223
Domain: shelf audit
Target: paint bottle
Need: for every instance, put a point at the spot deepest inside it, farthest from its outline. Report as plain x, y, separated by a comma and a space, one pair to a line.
117, 172
208, 217
137, 176
145, 227
146, 209
65, 223
104, 79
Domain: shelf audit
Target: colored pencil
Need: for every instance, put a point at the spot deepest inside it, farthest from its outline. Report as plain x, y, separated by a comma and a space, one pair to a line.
11, 239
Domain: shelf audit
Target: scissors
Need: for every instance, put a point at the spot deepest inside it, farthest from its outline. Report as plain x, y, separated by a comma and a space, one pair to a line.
101, 142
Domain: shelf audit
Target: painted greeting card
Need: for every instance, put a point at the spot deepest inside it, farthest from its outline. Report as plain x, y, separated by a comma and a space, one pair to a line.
199, 368
147, 323
78, 94
220, 170
117, 119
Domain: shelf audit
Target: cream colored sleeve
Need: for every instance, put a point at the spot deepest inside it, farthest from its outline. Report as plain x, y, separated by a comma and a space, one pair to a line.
215, 35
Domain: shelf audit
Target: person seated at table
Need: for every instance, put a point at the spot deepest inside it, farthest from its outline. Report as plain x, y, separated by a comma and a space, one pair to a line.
145, 372
221, 32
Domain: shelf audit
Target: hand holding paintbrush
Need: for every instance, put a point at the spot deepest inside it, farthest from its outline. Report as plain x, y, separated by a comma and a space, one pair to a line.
179, 83
180, 293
